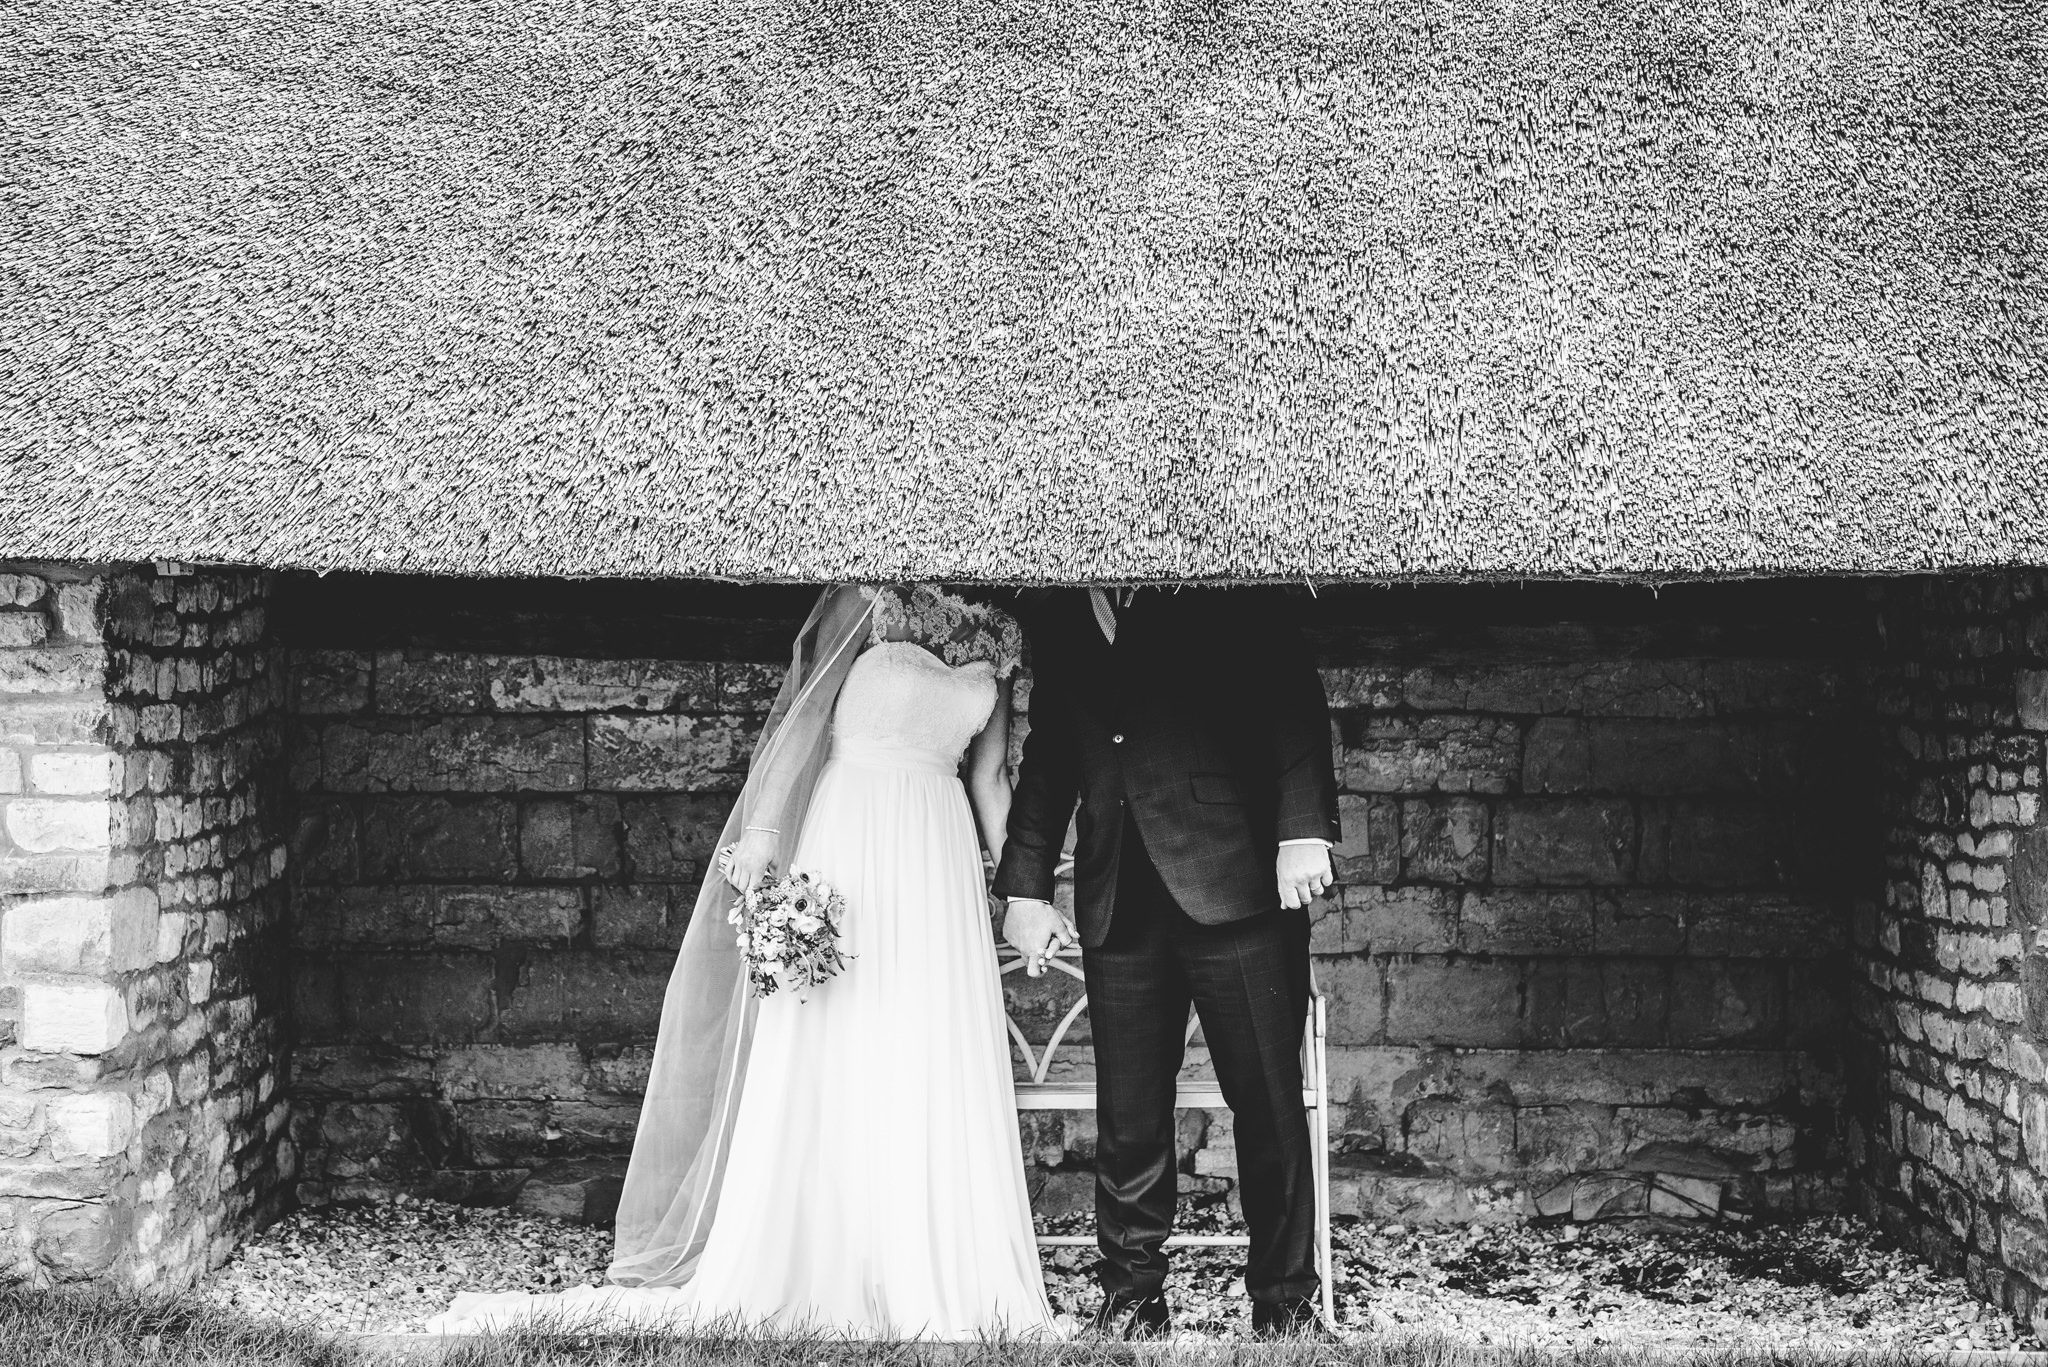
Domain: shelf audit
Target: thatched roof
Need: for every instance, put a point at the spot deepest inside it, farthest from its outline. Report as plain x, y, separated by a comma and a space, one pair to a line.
1044, 289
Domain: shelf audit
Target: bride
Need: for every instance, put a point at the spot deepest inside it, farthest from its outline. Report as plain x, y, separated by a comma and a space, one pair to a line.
847, 1163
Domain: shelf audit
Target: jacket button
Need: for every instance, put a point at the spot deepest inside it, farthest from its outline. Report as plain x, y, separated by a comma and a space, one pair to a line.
1117, 739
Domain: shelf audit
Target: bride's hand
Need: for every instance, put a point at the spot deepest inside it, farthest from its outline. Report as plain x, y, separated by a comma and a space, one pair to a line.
744, 861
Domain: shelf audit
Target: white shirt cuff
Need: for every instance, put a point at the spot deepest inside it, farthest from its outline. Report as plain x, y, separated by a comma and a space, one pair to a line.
1308, 840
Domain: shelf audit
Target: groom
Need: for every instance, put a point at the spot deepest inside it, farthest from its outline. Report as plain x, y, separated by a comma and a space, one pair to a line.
1191, 728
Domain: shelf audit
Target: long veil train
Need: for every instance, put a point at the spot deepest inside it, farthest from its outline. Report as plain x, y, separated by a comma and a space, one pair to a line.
707, 1017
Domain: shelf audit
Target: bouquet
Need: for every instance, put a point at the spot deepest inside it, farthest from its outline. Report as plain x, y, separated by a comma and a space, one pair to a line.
789, 932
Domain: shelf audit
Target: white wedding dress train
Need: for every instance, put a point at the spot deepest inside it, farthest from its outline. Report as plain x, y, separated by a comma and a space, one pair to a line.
875, 1185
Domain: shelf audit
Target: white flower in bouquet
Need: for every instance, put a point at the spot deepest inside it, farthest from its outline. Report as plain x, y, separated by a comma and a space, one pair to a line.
789, 932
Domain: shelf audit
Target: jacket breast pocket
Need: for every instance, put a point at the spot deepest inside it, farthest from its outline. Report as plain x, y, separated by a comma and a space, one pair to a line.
1221, 789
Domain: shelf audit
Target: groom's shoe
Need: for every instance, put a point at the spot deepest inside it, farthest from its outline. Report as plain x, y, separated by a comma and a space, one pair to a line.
1133, 1317
1300, 1319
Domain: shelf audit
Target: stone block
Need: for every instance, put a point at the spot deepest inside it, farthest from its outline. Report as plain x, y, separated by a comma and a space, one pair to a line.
21, 590
1348, 688
72, 1017
362, 1072
672, 836
1409, 1193
2027, 877
574, 837
1570, 841
652, 916
439, 838
1634, 922
1640, 755
1764, 925
613, 995
90, 936
77, 1243
1557, 756
408, 998
1370, 849
669, 753
1433, 753
1513, 921
1565, 1139
1607, 1198
329, 682
78, 609
1356, 1010
73, 773
1400, 920
11, 772
40, 825
549, 683
2030, 698
748, 687
19, 630
1731, 1002
56, 721
1444, 840
493, 1072
52, 670
388, 916
1467, 1138
325, 843
1468, 1002
503, 1134
429, 682
481, 918
21, 1130
1578, 1003
620, 1069
1703, 842
585, 1190
92, 1125
453, 754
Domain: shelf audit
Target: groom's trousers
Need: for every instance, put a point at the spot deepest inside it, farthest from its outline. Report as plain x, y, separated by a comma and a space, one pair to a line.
1249, 983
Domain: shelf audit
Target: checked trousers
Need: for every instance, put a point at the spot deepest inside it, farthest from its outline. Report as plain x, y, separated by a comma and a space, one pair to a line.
1249, 983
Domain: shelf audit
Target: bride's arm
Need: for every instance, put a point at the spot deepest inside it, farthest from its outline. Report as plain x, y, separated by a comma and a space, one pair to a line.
988, 774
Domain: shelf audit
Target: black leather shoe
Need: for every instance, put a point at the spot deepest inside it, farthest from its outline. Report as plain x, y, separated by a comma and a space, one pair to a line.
1133, 1318
1300, 1319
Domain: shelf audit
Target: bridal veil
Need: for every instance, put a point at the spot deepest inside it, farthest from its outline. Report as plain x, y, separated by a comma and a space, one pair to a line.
707, 1016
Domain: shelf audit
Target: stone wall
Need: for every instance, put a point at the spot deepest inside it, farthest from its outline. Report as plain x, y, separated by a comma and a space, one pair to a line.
1951, 1137
141, 1104
1587, 955
501, 825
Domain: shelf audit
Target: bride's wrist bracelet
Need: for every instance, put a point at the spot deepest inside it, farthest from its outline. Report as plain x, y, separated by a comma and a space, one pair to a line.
765, 830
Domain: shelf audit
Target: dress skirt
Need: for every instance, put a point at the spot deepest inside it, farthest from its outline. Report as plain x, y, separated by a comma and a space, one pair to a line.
875, 1184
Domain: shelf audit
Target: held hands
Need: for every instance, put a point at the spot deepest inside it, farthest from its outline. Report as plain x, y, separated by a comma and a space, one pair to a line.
746, 859
1303, 872
1035, 929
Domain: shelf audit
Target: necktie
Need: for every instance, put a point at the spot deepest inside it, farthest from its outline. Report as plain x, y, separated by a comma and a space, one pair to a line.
1105, 615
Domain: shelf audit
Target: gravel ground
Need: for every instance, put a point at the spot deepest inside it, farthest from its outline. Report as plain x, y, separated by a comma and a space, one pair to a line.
1819, 1284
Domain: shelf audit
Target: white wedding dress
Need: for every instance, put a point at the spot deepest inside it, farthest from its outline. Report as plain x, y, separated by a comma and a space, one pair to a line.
875, 1185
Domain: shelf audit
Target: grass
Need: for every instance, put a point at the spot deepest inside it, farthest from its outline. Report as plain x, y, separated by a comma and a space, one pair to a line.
100, 1329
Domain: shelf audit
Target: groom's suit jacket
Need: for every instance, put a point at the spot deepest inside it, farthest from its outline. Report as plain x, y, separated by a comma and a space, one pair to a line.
1204, 724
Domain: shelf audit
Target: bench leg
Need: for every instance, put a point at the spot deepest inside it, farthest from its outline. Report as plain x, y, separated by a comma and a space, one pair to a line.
1321, 1140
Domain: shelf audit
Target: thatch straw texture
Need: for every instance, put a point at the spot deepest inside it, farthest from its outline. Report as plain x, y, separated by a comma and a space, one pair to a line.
1044, 289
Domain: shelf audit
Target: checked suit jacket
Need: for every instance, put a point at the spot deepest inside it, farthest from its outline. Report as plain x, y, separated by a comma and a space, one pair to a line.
1204, 725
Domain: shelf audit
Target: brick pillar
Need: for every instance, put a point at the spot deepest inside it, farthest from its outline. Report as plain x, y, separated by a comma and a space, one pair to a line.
1952, 1147
140, 906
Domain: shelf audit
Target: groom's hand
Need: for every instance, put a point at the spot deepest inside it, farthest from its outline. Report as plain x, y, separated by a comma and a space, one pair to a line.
1034, 929
1303, 872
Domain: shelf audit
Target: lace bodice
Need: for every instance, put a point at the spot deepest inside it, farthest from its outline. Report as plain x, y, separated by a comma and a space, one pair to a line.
949, 626
933, 690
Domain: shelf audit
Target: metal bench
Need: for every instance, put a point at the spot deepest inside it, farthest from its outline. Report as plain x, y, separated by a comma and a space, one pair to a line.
1041, 1092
